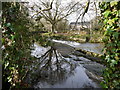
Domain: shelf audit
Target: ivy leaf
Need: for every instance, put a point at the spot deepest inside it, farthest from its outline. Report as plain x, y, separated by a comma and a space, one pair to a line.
116, 34
115, 19
115, 82
104, 85
108, 32
3, 40
8, 24
106, 13
105, 21
9, 79
113, 3
6, 64
13, 36
118, 13
111, 21
113, 62
116, 57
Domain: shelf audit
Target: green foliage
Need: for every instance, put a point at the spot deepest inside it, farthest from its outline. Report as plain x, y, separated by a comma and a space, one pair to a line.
111, 19
17, 42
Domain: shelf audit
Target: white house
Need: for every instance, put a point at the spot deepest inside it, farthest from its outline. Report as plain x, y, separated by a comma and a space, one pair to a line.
80, 25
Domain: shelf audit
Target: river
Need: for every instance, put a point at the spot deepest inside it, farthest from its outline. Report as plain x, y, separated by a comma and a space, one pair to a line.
67, 70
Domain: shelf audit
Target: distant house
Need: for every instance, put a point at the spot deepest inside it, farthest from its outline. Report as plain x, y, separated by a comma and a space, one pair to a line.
80, 25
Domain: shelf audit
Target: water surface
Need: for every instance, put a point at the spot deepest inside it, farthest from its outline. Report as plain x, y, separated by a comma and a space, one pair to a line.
67, 74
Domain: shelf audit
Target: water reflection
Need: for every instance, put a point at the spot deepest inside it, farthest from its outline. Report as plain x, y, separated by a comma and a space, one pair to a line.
52, 70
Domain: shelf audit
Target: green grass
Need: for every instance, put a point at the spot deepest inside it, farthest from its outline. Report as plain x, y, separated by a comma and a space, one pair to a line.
78, 36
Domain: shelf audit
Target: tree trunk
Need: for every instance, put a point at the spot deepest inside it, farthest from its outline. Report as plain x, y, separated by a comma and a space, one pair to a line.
53, 28
88, 37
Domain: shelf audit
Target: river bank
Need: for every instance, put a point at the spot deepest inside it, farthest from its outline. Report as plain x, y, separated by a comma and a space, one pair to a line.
77, 36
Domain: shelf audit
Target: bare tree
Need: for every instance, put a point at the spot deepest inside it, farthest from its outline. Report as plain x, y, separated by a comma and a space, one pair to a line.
89, 6
55, 11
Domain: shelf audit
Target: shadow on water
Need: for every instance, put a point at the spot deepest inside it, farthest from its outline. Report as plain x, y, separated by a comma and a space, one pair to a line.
52, 70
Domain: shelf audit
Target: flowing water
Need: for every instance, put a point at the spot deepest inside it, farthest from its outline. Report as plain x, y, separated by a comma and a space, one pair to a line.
65, 71
92, 47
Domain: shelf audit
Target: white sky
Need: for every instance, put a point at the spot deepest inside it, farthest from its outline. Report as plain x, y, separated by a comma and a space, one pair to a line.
72, 18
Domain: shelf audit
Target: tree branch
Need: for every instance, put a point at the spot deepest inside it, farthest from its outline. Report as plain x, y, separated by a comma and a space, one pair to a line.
47, 9
70, 11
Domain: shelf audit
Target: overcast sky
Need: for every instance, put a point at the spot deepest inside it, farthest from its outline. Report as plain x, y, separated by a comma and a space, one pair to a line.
72, 18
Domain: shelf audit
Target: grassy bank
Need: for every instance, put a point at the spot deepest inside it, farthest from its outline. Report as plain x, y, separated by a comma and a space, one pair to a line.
78, 36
